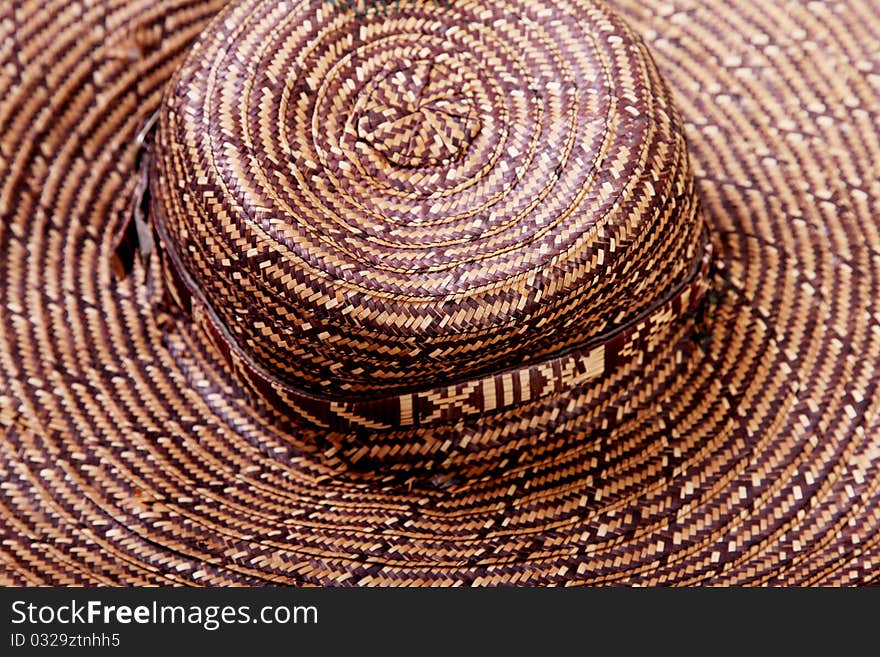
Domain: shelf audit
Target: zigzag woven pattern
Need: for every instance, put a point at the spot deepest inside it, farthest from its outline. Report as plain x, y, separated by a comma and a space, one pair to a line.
377, 200
742, 450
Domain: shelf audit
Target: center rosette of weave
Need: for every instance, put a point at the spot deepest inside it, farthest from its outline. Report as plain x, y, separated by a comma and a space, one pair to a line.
419, 116
386, 197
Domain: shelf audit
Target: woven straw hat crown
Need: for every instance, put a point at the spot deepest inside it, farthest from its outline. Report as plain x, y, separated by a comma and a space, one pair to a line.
441, 202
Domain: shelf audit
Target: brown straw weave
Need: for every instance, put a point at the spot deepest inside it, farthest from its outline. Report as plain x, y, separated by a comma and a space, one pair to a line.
532, 212
432, 299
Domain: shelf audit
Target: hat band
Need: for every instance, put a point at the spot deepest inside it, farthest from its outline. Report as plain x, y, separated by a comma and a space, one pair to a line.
453, 401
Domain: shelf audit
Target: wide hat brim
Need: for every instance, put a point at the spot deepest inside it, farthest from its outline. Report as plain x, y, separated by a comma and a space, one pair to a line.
744, 454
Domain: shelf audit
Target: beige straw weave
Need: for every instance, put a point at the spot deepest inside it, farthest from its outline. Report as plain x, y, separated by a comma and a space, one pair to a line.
431, 300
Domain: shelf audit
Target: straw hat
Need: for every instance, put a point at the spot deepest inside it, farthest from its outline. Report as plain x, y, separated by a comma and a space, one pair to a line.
439, 293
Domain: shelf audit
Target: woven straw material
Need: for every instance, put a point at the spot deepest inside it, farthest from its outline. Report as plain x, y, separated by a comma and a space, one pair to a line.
540, 197
732, 442
321, 264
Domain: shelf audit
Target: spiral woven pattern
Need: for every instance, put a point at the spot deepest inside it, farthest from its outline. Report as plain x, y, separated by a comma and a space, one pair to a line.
740, 449
374, 200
